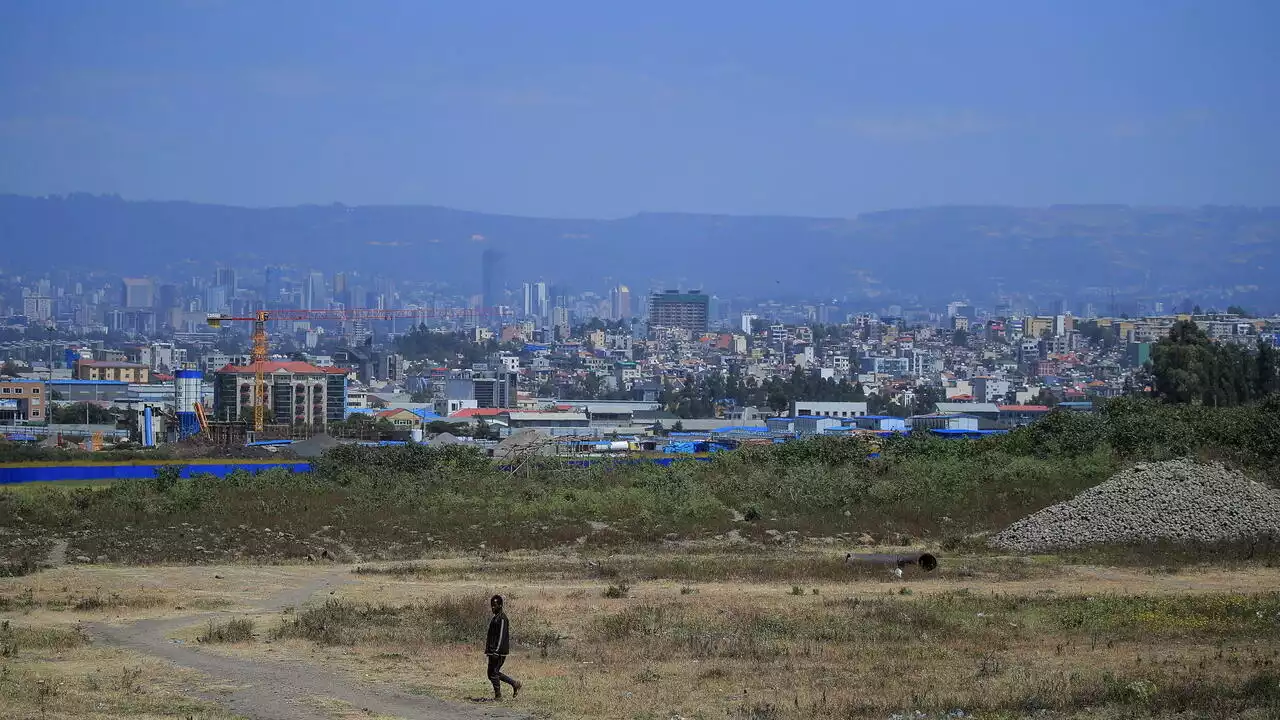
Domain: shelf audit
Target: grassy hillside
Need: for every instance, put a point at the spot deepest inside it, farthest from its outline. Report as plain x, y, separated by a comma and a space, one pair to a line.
404, 501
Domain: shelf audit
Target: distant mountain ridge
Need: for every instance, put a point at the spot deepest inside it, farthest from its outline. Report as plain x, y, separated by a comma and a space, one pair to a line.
926, 253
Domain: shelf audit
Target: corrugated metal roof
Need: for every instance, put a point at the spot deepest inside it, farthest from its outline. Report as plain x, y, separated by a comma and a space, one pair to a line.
557, 416
956, 407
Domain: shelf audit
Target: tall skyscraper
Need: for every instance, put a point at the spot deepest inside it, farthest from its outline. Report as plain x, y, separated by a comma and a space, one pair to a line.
674, 309
543, 298
620, 303
168, 297
313, 292
227, 278
341, 285
215, 299
137, 293
535, 300
490, 277
271, 289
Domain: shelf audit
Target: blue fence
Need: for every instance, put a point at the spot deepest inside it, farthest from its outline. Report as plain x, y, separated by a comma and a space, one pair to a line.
11, 473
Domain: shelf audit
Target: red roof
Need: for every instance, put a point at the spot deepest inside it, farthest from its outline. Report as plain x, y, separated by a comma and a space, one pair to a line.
1024, 408
274, 366
479, 412
960, 398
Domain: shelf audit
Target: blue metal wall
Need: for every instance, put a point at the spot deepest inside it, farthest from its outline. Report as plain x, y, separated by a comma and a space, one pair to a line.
47, 472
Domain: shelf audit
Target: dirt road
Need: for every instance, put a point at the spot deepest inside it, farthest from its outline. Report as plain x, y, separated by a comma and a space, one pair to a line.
282, 691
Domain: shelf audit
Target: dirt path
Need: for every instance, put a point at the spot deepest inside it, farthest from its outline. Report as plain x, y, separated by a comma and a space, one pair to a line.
281, 691
57, 556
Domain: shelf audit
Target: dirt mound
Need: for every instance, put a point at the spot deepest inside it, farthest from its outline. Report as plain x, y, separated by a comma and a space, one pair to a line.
314, 446
1172, 501
521, 443
199, 449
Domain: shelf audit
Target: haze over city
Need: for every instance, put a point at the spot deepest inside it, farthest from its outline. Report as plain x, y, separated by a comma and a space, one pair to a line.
717, 360
580, 109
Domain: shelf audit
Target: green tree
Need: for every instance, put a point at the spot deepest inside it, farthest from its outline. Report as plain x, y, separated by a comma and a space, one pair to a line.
1182, 364
778, 402
1045, 397
678, 427
1268, 376
1189, 368
1238, 310
80, 413
483, 430
927, 397
435, 427
877, 404
959, 338
9, 368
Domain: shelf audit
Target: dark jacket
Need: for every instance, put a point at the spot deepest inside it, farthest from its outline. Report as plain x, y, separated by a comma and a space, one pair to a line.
498, 641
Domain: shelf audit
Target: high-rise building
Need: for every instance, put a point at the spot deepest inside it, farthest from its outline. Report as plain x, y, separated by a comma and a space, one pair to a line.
490, 277
137, 293
494, 389
36, 307
674, 309
227, 278
168, 297
557, 296
535, 300
560, 321
543, 298
620, 302
313, 293
340, 288
271, 290
215, 299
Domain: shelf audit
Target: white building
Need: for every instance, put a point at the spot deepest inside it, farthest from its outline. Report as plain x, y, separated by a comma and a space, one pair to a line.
801, 408
987, 389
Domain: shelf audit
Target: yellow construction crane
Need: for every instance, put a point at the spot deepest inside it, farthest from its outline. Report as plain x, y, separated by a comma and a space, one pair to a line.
261, 346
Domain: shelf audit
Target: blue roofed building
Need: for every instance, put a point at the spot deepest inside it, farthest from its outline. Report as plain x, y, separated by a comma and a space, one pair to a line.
880, 423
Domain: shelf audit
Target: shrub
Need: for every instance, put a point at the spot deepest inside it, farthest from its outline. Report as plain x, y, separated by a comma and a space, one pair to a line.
621, 590
231, 631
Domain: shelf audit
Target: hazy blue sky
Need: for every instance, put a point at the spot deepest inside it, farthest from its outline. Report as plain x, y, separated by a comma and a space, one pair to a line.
589, 109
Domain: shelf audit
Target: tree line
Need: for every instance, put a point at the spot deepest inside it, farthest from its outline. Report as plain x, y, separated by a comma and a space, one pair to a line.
699, 397
1188, 367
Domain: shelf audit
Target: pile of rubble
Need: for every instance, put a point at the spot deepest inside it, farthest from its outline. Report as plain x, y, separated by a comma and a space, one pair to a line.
1171, 501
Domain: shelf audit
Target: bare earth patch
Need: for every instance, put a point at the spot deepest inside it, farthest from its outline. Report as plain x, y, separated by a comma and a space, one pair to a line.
999, 637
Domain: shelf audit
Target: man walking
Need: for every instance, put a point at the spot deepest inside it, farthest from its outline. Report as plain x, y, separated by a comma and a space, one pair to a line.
497, 645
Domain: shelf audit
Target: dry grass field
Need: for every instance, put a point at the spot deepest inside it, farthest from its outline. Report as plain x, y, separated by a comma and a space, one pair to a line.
662, 634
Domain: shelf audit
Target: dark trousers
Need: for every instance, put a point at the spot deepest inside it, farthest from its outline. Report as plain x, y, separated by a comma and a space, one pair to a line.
495, 673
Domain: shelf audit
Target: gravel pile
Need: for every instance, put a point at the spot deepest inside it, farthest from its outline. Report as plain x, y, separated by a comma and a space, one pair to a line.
1177, 500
